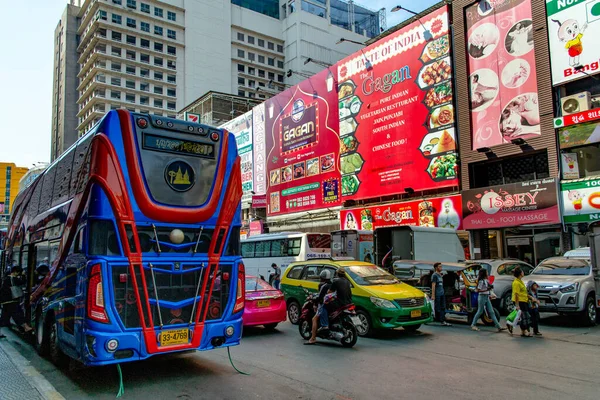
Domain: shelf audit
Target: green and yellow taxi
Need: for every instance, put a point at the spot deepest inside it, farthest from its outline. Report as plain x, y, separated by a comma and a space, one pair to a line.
381, 300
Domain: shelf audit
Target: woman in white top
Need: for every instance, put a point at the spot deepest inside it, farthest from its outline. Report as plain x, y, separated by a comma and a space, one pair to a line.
484, 289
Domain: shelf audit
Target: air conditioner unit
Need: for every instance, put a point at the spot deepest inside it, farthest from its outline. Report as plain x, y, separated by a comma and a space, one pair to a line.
576, 103
595, 102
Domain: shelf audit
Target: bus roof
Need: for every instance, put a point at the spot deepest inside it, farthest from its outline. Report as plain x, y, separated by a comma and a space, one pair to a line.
280, 235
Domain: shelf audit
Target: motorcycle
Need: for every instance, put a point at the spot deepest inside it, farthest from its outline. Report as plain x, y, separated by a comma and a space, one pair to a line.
341, 322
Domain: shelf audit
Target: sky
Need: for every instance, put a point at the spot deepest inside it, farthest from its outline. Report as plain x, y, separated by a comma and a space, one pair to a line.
26, 72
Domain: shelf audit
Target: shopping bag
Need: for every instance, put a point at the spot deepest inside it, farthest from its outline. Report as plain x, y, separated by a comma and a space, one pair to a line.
511, 317
516, 319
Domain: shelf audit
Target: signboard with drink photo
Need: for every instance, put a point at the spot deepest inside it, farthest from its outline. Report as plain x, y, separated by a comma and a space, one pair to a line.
513, 204
581, 201
396, 112
441, 212
503, 81
303, 142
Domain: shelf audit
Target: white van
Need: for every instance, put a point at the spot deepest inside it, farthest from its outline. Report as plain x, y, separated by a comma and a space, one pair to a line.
260, 251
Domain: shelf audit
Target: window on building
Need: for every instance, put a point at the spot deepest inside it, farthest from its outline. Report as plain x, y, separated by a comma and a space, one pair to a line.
261, 43
116, 36
101, 78
171, 64
251, 83
314, 9
271, 61
240, 53
240, 36
158, 61
251, 70
171, 34
116, 19
130, 98
145, 26
171, 16
250, 39
115, 94
251, 95
171, 105
241, 93
261, 59
280, 64
271, 46
271, 75
280, 48
130, 55
241, 81
261, 73
115, 81
171, 92
131, 40
145, 43
509, 170
131, 23
102, 15
129, 84
158, 76
102, 32
145, 8
131, 4
158, 89
144, 73
145, 58
117, 2
262, 96
130, 69
158, 103
241, 68
115, 51
144, 87
269, 8
171, 50
171, 78
158, 47
158, 30
144, 100
251, 56
279, 78
158, 12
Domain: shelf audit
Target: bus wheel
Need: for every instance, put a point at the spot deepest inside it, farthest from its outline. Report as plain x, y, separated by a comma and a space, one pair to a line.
56, 355
41, 336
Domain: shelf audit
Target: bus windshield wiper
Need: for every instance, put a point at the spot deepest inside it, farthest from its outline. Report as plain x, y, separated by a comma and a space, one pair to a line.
156, 238
198, 241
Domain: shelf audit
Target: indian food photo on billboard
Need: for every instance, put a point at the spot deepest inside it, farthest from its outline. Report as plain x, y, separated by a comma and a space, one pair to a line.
396, 114
502, 74
303, 147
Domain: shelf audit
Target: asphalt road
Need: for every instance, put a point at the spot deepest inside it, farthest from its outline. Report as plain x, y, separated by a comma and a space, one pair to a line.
437, 362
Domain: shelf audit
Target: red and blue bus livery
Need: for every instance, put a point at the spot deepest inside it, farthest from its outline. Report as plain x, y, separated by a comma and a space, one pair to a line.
130, 242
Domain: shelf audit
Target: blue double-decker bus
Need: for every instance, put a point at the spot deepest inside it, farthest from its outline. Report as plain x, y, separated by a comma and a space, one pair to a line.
130, 242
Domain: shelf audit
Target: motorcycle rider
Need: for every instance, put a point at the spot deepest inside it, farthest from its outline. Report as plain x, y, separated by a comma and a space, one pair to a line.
321, 314
341, 285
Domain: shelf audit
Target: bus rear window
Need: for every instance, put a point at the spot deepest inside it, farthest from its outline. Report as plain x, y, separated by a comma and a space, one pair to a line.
318, 241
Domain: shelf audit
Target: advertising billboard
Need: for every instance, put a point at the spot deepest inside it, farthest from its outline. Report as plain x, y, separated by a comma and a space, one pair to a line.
572, 27
241, 127
440, 212
396, 113
502, 72
260, 149
581, 201
513, 204
303, 147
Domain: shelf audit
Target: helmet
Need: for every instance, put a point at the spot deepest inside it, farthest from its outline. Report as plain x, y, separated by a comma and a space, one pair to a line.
325, 275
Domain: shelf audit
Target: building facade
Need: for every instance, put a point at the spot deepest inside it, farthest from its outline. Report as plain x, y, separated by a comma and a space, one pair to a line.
10, 175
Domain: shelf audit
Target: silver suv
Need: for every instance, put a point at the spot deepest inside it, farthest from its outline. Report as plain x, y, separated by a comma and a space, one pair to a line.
502, 271
567, 286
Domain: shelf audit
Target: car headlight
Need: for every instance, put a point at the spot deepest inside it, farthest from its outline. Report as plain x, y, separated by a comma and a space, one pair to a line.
570, 288
382, 303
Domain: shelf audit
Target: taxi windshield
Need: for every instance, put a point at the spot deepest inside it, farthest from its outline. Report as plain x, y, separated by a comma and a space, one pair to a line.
370, 275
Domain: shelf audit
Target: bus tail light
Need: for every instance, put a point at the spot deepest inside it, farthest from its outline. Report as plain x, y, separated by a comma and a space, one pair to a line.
95, 299
241, 289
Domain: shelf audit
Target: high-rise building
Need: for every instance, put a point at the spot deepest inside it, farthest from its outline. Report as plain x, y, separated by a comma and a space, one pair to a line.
10, 175
157, 57
65, 81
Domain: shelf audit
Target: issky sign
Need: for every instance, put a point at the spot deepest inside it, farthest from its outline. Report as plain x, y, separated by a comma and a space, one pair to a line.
573, 32
396, 113
302, 137
514, 204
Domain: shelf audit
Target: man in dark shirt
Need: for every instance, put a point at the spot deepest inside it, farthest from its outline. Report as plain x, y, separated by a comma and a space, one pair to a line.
341, 285
321, 314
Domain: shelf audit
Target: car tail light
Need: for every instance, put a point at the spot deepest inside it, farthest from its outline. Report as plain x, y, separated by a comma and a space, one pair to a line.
95, 299
241, 289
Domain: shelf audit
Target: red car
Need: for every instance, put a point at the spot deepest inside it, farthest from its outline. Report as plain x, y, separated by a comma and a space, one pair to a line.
265, 305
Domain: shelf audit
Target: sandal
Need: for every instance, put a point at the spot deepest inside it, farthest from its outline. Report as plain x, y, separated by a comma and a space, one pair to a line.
474, 328
510, 329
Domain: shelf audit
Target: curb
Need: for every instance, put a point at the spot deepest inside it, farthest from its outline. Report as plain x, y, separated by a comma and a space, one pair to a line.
37, 380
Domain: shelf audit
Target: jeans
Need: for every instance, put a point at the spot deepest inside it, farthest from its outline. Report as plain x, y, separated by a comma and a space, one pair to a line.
276, 283
440, 307
535, 319
483, 301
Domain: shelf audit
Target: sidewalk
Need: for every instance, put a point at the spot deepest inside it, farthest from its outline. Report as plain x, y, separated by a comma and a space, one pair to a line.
19, 380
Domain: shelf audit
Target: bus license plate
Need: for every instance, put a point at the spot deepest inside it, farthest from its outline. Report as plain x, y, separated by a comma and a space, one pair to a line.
176, 336
263, 303
415, 313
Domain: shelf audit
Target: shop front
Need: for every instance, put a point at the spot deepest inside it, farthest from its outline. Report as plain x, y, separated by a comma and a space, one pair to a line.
516, 220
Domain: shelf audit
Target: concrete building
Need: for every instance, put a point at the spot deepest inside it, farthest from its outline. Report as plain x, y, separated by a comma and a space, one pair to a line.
10, 175
65, 81
157, 57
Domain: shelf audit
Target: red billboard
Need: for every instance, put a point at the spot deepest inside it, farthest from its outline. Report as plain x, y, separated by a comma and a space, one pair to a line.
396, 113
440, 212
303, 147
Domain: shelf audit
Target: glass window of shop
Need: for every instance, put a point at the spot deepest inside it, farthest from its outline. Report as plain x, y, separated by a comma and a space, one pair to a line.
533, 245
584, 161
509, 170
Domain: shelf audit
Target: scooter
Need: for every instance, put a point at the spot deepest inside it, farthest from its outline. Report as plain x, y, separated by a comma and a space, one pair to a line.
341, 322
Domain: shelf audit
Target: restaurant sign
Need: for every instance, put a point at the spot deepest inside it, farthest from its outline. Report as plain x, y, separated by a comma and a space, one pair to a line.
581, 201
513, 204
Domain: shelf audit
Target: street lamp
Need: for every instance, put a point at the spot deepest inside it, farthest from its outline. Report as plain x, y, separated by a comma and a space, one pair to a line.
426, 34
349, 40
321, 63
368, 64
